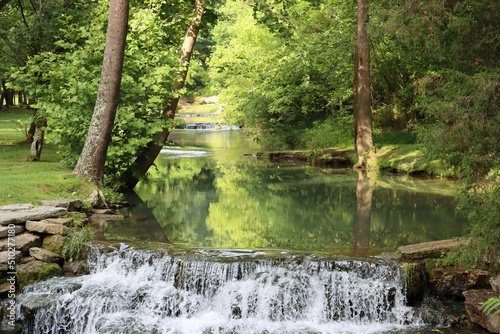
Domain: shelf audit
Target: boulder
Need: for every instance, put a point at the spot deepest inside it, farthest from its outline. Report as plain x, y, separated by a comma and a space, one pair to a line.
75, 268
4, 230
416, 282
23, 242
495, 284
35, 271
44, 255
54, 243
451, 282
473, 305
47, 227
16, 207
4, 260
70, 204
428, 250
36, 213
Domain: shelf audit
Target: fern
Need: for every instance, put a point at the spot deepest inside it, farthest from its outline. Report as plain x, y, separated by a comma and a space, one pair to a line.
491, 305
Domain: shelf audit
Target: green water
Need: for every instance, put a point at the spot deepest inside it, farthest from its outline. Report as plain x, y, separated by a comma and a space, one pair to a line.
210, 191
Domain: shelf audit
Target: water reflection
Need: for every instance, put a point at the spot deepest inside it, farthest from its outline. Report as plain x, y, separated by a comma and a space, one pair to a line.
361, 218
224, 199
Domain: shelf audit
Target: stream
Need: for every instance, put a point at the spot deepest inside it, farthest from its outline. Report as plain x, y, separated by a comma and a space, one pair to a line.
219, 240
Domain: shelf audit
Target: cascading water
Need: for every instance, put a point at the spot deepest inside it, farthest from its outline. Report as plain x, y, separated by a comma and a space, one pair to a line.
133, 291
210, 126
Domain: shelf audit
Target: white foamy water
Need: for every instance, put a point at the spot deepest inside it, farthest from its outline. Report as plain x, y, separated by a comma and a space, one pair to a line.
130, 291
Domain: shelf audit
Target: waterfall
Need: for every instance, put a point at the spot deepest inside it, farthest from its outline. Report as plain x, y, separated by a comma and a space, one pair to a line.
137, 291
208, 126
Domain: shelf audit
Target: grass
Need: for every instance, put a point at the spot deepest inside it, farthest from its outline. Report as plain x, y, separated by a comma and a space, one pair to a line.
10, 130
30, 182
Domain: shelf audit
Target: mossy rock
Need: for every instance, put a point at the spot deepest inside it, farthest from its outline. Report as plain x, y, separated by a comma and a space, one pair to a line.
35, 271
6, 329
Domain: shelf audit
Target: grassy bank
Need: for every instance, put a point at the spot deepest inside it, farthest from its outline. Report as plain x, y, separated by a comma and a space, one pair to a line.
30, 182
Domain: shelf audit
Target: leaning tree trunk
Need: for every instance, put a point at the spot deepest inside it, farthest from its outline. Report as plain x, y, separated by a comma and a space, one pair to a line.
37, 140
362, 97
93, 157
147, 156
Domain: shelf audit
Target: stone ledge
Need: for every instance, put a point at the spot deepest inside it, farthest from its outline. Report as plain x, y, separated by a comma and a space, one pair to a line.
22, 242
428, 250
70, 204
47, 227
4, 231
16, 207
36, 213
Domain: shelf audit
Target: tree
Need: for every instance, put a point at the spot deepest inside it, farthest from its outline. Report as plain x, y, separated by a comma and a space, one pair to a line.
362, 96
148, 154
93, 157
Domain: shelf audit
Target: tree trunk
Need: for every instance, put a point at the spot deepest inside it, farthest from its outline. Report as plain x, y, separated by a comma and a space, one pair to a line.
93, 157
361, 224
362, 97
148, 154
37, 142
31, 132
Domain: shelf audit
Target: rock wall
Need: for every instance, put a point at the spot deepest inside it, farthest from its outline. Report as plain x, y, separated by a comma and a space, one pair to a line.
473, 286
32, 241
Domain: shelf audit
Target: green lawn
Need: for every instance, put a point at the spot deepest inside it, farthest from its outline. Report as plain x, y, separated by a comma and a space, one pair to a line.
30, 182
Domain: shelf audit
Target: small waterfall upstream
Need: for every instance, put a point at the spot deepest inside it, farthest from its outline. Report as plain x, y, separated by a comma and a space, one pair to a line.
208, 291
209, 126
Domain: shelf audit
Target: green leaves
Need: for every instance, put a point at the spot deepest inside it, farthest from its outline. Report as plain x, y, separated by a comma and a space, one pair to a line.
492, 305
277, 78
63, 84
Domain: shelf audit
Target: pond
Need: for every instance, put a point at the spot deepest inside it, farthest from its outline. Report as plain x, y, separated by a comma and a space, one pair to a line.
211, 190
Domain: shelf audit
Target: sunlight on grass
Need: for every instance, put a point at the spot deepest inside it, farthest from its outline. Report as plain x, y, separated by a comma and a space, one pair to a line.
30, 182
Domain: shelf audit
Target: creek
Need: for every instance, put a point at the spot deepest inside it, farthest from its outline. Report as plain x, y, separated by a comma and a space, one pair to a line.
221, 241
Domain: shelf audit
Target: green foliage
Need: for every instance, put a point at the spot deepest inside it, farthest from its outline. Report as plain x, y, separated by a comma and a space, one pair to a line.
64, 84
492, 305
461, 121
333, 132
74, 242
482, 201
411, 41
279, 87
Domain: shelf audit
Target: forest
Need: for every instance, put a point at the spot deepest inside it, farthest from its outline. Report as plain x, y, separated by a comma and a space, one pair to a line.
292, 74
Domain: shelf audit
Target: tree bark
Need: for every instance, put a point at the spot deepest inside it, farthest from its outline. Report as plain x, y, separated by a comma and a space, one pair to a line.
37, 142
146, 157
93, 157
362, 96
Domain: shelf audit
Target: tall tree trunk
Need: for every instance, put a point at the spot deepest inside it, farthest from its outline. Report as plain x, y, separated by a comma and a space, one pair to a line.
37, 141
93, 157
362, 97
148, 154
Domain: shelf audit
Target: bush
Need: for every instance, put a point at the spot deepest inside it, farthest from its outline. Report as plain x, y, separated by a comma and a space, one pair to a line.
335, 131
461, 121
